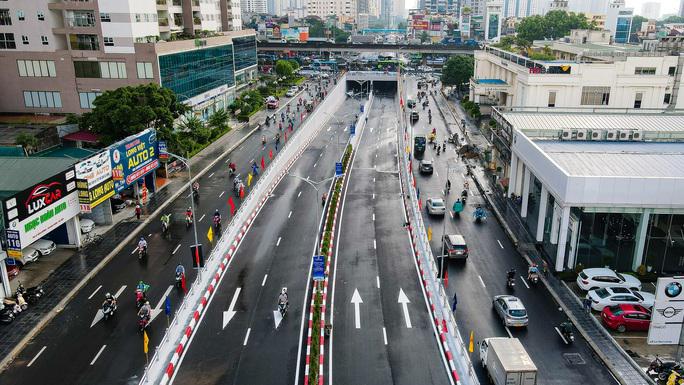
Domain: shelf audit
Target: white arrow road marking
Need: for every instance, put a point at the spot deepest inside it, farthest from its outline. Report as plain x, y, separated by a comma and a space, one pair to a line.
36, 357
356, 300
157, 309
97, 355
100, 315
404, 301
96, 290
230, 313
277, 318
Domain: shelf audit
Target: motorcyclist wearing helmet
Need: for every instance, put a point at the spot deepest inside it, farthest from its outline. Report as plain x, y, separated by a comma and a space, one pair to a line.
282, 298
188, 213
110, 301
217, 217
142, 245
145, 311
510, 274
532, 270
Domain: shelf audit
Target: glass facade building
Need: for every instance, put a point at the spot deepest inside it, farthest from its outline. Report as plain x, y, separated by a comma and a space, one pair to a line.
194, 72
622, 29
245, 52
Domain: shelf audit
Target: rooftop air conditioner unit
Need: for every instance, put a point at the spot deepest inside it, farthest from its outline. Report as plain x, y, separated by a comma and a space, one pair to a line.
624, 135
597, 135
581, 134
611, 135
566, 134
637, 135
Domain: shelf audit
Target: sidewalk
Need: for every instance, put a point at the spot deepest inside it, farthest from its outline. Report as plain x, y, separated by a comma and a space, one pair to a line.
617, 360
62, 281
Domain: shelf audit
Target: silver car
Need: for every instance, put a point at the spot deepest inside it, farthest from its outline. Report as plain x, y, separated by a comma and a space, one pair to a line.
511, 310
435, 206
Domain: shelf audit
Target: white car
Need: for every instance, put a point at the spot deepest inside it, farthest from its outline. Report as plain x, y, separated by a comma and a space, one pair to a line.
598, 277
87, 225
435, 206
28, 255
291, 92
44, 246
609, 296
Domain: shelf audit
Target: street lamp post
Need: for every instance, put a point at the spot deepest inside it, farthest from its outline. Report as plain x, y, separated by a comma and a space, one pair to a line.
186, 162
315, 185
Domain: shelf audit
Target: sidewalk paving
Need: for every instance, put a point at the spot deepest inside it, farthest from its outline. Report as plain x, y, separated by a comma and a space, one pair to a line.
69, 274
618, 361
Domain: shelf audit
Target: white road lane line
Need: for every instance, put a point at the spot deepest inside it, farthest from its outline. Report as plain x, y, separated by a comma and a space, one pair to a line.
377, 280
373, 178
373, 217
373, 196
315, 164
384, 335
481, 281
97, 355
278, 243
251, 161
134, 250
36, 357
320, 155
300, 193
509, 332
560, 334
436, 173
523, 281
290, 214
212, 174
246, 337
264, 281
221, 194
328, 128
118, 292
96, 290
202, 217
176, 249
500, 245
374, 244
149, 235
451, 214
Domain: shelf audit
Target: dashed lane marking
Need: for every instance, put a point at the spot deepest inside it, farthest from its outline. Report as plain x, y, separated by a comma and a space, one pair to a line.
481, 281
244, 343
377, 280
290, 214
384, 335
374, 244
509, 332
300, 193
523, 281
500, 245
221, 194
212, 174
264, 281
278, 243
202, 217
36, 357
96, 290
97, 355
176, 249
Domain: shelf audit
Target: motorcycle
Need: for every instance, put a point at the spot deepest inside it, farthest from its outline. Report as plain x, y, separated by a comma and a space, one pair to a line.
179, 280
429, 119
188, 221
510, 282
217, 224
282, 307
566, 331
661, 369
143, 321
108, 309
480, 215
139, 298
165, 229
142, 252
7, 315
195, 194
32, 295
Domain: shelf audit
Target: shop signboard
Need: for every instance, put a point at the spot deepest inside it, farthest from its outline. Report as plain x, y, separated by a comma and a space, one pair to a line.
13, 244
668, 312
94, 181
42, 208
163, 151
133, 158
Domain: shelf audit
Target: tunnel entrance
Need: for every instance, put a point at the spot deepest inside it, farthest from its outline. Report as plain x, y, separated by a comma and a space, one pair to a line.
362, 87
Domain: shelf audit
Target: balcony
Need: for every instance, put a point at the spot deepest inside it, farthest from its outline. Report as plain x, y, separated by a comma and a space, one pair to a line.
79, 22
162, 2
177, 3
84, 42
85, 5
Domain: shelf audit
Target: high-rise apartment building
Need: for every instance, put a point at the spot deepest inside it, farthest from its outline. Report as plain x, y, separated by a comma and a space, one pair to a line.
440, 6
681, 8
588, 6
477, 7
523, 8
325, 8
60, 55
619, 20
493, 18
650, 10
231, 15
254, 6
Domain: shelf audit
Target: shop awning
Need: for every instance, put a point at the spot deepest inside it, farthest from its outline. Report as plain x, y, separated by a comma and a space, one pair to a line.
82, 136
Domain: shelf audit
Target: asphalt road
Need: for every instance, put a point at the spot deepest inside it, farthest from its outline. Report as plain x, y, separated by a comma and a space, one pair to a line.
484, 274
256, 346
70, 350
375, 271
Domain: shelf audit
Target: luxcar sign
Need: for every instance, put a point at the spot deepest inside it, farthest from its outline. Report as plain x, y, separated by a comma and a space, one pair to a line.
42, 208
133, 158
667, 315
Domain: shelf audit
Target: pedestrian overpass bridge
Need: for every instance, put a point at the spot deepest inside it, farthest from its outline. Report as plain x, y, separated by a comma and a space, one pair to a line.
316, 46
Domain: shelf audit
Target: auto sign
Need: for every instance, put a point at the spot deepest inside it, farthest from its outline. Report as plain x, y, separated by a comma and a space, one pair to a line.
133, 158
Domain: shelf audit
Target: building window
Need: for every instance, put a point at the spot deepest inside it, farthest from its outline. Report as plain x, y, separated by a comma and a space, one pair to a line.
7, 41
145, 70
113, 70
21, 16
644, 71
87, 98
552, 99
672, 71
105, 17
595, 96
100, 70
36, 68
44, 40
41, 15
666, 99
5, 18
637, 99
109, 41
24, 39
42, 99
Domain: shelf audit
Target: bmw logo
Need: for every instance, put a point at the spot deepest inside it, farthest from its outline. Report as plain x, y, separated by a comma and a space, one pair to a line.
673, 289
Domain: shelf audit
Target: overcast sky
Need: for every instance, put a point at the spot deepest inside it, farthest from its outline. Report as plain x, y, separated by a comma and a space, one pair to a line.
666, 6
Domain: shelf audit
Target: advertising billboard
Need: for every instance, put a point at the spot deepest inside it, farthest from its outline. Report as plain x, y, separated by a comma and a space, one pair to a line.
668, 312
420, 25
133, 158
43, 207
303, 34
94, 181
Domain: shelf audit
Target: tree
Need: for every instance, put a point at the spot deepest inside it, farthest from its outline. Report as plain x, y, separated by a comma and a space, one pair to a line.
671, 20
28, 141
316, 26
129, 110
636, 26
219, 120
284, 68
196, 128
458, 70
424, 37
553, 25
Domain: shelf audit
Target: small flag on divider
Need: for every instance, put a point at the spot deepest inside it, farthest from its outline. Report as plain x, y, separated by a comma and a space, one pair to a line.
167, 305
242, 192
263, 163
146, 341
210, 234
249, 180
470, 345
420, 205
286, 136
232, 205
185, 288
429, 233
446, 278
270, 154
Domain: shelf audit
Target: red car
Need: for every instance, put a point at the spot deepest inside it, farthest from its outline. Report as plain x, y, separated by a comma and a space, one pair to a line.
625, 317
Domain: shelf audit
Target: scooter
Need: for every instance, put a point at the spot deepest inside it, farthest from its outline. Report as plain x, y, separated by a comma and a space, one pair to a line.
7, 315
179, 280
566, 331
32, 295
143, 321
142, 252
188, 221
661, 369
139, 298
195, 194
510, 282
217, 224
282, 307
108, 310
480, 215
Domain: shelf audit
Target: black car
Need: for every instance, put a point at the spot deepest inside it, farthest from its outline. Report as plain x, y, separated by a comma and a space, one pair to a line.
414, 116
425, 166
117, 204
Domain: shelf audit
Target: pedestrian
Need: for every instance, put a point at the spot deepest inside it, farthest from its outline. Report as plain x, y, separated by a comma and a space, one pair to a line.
453, 305
323, 197
448, 186
587, 305
138, 211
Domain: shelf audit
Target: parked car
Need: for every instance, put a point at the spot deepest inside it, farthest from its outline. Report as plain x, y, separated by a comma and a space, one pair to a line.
435, 206
511, 310
87, 225
608, 296
425, 167
28, 255
455, 246
598, 277
44, 246
118, 204
626, 317
291, 92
